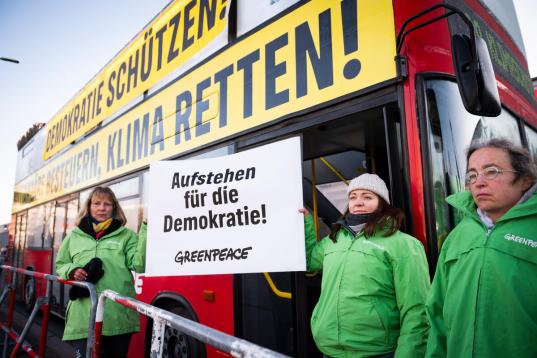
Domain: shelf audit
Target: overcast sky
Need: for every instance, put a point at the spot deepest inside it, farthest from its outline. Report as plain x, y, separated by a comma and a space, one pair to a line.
62, 44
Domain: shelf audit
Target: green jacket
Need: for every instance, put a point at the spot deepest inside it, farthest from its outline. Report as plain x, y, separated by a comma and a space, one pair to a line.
483, 301
372, 294
121, 251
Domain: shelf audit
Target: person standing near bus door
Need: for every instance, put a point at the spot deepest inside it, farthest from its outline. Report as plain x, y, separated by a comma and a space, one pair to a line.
375, 279
482, 301
100, 232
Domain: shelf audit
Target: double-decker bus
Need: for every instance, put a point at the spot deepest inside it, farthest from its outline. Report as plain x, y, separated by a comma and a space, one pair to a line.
211, 78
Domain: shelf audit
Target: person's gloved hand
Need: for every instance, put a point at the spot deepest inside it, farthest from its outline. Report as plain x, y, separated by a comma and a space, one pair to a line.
95, 271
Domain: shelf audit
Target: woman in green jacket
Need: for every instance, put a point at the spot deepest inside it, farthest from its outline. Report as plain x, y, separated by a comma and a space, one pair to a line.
375, 279
100, 232
483, 297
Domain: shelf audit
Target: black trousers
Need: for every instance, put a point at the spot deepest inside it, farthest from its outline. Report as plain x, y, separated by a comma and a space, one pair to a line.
111, 346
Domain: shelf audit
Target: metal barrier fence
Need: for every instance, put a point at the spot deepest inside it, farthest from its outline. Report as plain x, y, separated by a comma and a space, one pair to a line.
161, 318
42, 302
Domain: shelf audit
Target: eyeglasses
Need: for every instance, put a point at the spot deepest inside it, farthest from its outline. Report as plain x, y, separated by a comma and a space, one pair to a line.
490, 173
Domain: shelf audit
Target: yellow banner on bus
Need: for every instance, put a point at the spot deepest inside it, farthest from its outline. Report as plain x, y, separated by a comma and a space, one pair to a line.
174, 36
318, 52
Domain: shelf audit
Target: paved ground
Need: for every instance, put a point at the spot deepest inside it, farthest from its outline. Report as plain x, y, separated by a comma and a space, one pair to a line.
56, 348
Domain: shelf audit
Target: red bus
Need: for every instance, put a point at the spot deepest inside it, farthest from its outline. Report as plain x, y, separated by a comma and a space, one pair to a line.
211, 78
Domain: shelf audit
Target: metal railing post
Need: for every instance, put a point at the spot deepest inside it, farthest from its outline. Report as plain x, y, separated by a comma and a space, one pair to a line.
11, 308
99, 317
20, 341
237, 347
44, 322
157, 337
44, 303
91, 319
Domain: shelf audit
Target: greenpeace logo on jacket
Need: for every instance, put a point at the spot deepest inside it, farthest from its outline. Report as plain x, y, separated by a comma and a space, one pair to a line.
521, 240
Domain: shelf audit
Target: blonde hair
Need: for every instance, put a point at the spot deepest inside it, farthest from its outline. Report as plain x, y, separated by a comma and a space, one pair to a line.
117, 212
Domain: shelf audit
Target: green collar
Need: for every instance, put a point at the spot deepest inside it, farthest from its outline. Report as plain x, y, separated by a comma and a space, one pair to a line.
464, 202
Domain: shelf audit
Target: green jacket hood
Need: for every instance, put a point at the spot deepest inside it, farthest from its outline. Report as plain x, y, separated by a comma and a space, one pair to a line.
465, 202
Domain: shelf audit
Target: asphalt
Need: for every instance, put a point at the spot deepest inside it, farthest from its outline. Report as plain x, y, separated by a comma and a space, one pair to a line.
55, 347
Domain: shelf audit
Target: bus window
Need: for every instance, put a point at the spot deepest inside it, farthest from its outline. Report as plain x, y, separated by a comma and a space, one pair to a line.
36, 253
122, 189
59, 233
72, 213
126, 188
64, 222
450, 130
130, 209
531, 135
84, 196
40, 226
20, 238
145, 193
504, 126
48, 229
36, 217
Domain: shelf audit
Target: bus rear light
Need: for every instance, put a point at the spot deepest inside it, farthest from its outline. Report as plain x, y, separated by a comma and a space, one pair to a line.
208, 295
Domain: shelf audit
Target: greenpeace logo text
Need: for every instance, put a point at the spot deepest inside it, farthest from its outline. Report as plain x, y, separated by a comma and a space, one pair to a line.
521, 240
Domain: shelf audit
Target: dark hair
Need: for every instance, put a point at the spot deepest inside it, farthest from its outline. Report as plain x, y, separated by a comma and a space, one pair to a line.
385, 217
519, 157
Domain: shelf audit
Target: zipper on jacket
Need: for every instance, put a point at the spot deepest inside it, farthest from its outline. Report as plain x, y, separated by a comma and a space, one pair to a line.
338, 302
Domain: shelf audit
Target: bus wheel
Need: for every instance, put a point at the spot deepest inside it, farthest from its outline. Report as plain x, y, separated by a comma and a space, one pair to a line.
29, 293
178, 344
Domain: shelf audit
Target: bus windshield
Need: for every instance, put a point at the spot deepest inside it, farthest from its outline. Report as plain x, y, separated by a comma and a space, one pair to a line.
450, 130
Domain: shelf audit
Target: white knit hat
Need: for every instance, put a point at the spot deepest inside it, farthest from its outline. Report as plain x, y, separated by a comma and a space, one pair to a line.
371, 182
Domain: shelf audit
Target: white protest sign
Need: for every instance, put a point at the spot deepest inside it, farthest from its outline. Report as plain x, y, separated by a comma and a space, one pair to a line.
231, 214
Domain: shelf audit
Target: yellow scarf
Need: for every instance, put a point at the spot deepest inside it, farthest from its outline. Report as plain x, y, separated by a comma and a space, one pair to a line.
102, 226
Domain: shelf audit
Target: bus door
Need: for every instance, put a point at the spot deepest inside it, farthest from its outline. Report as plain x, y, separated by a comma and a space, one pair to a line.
64, 222
334, 152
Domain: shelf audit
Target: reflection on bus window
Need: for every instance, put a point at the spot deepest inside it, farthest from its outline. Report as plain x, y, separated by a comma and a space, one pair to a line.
20, 238
40, 220
493, 127
531, 135
451, 129
72, 213
35, 226
28, 148
130, 209
126, 188
84, 196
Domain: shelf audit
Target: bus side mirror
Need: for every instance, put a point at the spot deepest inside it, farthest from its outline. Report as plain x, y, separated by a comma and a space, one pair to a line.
475, 77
